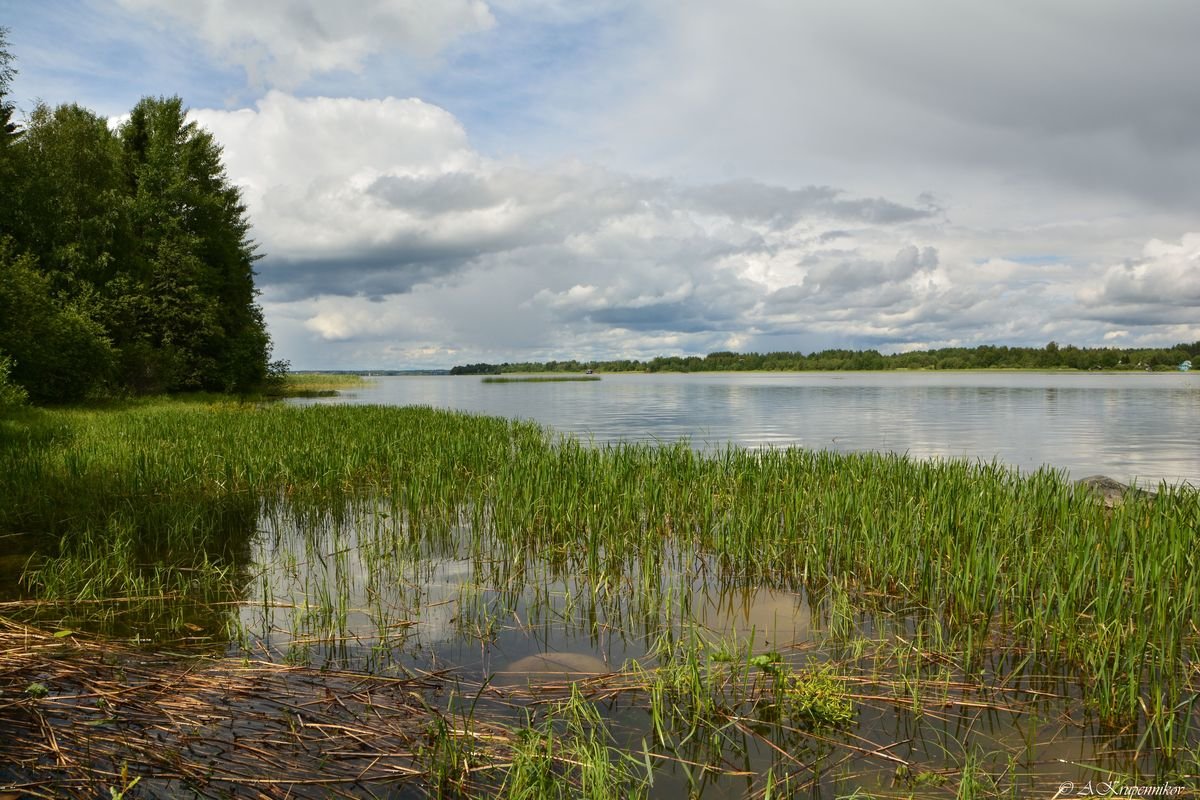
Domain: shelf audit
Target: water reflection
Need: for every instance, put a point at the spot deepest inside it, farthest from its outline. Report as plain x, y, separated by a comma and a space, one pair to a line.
373, 590
1129, 426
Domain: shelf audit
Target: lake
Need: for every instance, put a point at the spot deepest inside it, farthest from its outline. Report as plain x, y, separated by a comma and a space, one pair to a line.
751, 624
1135, 427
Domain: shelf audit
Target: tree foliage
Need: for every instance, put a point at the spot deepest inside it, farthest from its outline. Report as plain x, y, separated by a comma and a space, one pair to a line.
125, 262
8, 127
60, 351
193, 257
1052, 356
11, 395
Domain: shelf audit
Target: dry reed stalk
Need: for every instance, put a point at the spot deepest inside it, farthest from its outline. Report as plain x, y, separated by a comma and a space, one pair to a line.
83, 716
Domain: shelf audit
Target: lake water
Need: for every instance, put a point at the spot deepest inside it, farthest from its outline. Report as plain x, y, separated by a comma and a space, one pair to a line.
366, 590
386, 586
513, 628
1135, 427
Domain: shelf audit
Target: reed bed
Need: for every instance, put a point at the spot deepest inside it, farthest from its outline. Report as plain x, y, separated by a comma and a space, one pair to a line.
314, 384
1115, 592
163, 499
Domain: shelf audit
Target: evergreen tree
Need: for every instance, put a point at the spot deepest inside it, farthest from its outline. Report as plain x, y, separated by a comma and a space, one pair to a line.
123, 257
190, 282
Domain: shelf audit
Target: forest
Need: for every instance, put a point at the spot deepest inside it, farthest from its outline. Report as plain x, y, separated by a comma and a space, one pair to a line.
1052, 356
126, 265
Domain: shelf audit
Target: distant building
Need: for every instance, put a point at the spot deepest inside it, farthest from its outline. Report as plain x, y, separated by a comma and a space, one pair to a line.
1186, 366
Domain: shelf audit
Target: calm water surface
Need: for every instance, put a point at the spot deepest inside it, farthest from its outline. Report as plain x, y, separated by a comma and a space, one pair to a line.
1132, 426
366, 590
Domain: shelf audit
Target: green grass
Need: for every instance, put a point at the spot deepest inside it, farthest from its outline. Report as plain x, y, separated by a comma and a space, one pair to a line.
568, 753
163, 499
988, 550
315, 384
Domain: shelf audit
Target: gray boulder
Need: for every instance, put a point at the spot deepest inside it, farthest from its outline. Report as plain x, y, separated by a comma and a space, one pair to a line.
547, 668
1109, 491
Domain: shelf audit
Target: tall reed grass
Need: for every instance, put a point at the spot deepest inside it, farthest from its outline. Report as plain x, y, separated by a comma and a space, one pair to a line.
169, 488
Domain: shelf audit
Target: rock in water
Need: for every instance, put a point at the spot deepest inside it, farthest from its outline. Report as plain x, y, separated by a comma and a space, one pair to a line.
546, 668
1108, 491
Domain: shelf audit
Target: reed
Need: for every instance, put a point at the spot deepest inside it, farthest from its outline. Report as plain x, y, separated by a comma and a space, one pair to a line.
314, 384
178, 499
568, 752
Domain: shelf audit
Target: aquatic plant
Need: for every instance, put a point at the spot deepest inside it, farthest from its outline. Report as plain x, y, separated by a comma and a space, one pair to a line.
172, 499
568, 753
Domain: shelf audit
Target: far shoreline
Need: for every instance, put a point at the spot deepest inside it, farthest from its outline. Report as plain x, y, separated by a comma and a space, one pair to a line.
383, 373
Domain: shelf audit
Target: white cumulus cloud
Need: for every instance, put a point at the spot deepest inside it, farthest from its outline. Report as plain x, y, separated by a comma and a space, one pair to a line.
389, 239
1160, 287
283, 42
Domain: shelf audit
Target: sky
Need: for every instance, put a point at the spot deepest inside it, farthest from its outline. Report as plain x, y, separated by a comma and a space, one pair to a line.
440, 183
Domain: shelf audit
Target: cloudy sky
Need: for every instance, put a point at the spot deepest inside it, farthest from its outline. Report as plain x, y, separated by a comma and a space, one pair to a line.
435, 183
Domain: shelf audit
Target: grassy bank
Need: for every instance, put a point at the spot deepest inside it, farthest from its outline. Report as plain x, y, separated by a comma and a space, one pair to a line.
315, 384
981, 546
155, 506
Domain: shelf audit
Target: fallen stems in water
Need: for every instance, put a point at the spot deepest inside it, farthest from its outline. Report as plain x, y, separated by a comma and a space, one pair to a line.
103, 715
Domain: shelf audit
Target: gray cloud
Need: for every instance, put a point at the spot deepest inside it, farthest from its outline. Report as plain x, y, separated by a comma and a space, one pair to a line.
439, 194
782, 207
410, 236
841, 277
405, 242
371, 275
1043, 103
1136, 315
681, 317
656, 177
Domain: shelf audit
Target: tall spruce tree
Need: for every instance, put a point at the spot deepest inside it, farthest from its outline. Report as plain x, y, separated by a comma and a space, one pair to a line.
188, 288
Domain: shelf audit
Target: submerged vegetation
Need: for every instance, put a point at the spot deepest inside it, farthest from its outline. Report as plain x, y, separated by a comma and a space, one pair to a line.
310, 537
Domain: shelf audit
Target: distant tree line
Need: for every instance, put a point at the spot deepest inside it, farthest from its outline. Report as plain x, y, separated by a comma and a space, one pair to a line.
125, 260
1052, 356
496, 369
